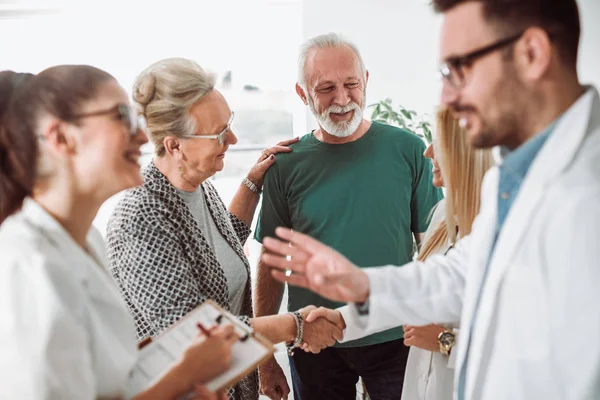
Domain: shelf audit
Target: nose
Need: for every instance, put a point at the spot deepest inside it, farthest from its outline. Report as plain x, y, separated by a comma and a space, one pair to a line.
231, 138
342, 97
428, 153
141, 137
449, 94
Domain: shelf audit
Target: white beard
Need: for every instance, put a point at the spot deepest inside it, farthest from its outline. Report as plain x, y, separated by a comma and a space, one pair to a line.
338, 129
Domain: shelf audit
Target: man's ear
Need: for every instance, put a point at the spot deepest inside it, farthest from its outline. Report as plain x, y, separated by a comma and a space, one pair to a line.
366, 77
302, 94
533, 54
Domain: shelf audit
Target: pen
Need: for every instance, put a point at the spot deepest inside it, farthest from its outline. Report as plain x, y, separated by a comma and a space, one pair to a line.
205, 331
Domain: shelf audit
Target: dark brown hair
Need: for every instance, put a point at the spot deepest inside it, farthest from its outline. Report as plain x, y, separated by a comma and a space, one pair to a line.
559, 18
59, 91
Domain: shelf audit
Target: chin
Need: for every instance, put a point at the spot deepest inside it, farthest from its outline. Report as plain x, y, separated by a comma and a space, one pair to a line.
219, 165
130, 181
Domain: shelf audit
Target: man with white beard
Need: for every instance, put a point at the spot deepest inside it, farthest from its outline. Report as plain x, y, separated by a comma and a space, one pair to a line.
363, 188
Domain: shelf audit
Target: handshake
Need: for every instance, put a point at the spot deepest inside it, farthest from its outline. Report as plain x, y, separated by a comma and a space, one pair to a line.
322, 327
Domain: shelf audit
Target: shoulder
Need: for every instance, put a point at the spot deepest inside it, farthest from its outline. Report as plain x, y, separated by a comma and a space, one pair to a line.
19, 239
394, 134
135, 206
30, 264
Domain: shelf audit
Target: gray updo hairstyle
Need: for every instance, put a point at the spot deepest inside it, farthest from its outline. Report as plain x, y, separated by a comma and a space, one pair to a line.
164, 93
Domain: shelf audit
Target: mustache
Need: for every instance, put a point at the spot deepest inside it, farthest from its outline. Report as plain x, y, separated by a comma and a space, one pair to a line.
457, 108
339, 109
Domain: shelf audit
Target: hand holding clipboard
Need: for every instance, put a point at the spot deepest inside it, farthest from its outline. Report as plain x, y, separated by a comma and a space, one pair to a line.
248, 349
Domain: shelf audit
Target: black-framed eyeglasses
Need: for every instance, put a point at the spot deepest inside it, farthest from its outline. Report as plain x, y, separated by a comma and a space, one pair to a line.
127, 115
452, 69
220, 136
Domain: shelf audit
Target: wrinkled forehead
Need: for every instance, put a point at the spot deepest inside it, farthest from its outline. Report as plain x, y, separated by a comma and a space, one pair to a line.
332, 64
465, 29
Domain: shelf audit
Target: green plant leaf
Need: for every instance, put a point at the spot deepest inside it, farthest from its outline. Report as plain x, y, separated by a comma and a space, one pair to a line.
406, 114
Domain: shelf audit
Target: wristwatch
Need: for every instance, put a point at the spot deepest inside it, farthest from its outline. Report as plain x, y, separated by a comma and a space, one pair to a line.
251, 185
446, 340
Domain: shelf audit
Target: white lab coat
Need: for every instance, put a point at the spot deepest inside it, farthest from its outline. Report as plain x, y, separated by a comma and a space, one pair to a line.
65, 331
430, 375
536, 332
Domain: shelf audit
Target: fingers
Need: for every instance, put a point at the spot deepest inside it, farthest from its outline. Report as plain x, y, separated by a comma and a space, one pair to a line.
333, 316
265, 163
273, 393
320, 312
295, 280
288, 142
284, 263
305, 242
278, 149
202, 393
337, 335
226, 332
280, 248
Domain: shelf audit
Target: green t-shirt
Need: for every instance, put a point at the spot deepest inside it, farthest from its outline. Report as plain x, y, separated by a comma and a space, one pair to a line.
363, 198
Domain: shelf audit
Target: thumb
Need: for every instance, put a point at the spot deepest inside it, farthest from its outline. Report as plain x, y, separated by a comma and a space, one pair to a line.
316, 314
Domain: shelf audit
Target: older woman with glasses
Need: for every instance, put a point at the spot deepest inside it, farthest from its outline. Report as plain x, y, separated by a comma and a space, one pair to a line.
172, 242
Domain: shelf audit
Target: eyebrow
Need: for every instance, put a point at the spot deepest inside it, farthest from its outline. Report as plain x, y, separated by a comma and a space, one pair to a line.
329, 82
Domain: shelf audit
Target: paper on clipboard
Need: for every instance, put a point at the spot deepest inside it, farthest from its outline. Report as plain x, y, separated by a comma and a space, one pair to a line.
155, 359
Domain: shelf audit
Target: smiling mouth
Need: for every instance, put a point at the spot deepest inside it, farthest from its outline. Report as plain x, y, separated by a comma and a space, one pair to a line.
133, 157
342, 115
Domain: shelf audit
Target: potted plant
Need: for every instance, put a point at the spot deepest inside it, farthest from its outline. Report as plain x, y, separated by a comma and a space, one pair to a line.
403, 118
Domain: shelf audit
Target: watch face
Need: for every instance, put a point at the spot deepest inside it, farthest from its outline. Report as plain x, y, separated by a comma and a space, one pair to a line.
447, 339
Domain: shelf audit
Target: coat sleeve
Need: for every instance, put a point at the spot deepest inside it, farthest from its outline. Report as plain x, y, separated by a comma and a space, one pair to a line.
45, 347
242, 230
418, 294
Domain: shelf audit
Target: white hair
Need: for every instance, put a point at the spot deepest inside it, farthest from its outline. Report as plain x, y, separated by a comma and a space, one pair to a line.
322, 42
165, 92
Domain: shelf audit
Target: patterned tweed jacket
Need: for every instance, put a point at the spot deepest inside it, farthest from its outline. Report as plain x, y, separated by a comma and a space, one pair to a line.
164, 265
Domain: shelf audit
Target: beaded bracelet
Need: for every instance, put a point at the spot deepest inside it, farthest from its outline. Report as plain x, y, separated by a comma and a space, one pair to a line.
299, 331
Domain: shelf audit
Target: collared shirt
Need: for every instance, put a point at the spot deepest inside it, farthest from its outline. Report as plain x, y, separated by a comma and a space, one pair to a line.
513, 171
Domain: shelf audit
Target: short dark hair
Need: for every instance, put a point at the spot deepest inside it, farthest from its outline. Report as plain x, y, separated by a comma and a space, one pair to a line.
559, 18
60, 91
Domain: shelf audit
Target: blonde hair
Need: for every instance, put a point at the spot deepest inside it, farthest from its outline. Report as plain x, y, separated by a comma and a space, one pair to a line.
164, 93
463, 168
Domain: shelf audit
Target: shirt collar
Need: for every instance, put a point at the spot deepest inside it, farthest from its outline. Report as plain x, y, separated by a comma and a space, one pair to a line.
519, 160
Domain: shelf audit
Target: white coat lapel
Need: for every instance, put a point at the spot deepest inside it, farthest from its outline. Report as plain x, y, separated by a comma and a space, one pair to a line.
554, 157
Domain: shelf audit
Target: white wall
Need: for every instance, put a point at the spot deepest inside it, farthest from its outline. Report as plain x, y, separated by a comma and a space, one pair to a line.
398, 40
589, 56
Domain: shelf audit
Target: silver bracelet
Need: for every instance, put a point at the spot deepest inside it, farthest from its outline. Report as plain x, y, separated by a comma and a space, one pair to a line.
299, 331
251, 185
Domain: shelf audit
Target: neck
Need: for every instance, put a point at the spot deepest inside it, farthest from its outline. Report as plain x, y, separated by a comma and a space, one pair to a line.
325, 137
550, 104
74, 212
170, 169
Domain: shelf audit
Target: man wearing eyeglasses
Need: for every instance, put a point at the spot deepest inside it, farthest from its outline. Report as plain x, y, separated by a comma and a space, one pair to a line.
525, 282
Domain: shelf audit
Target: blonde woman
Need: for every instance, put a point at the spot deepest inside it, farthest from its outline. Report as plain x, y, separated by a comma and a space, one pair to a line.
460, 168
172, 243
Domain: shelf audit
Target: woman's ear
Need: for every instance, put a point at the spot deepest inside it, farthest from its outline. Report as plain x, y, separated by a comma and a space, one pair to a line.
57, 136
172, 145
